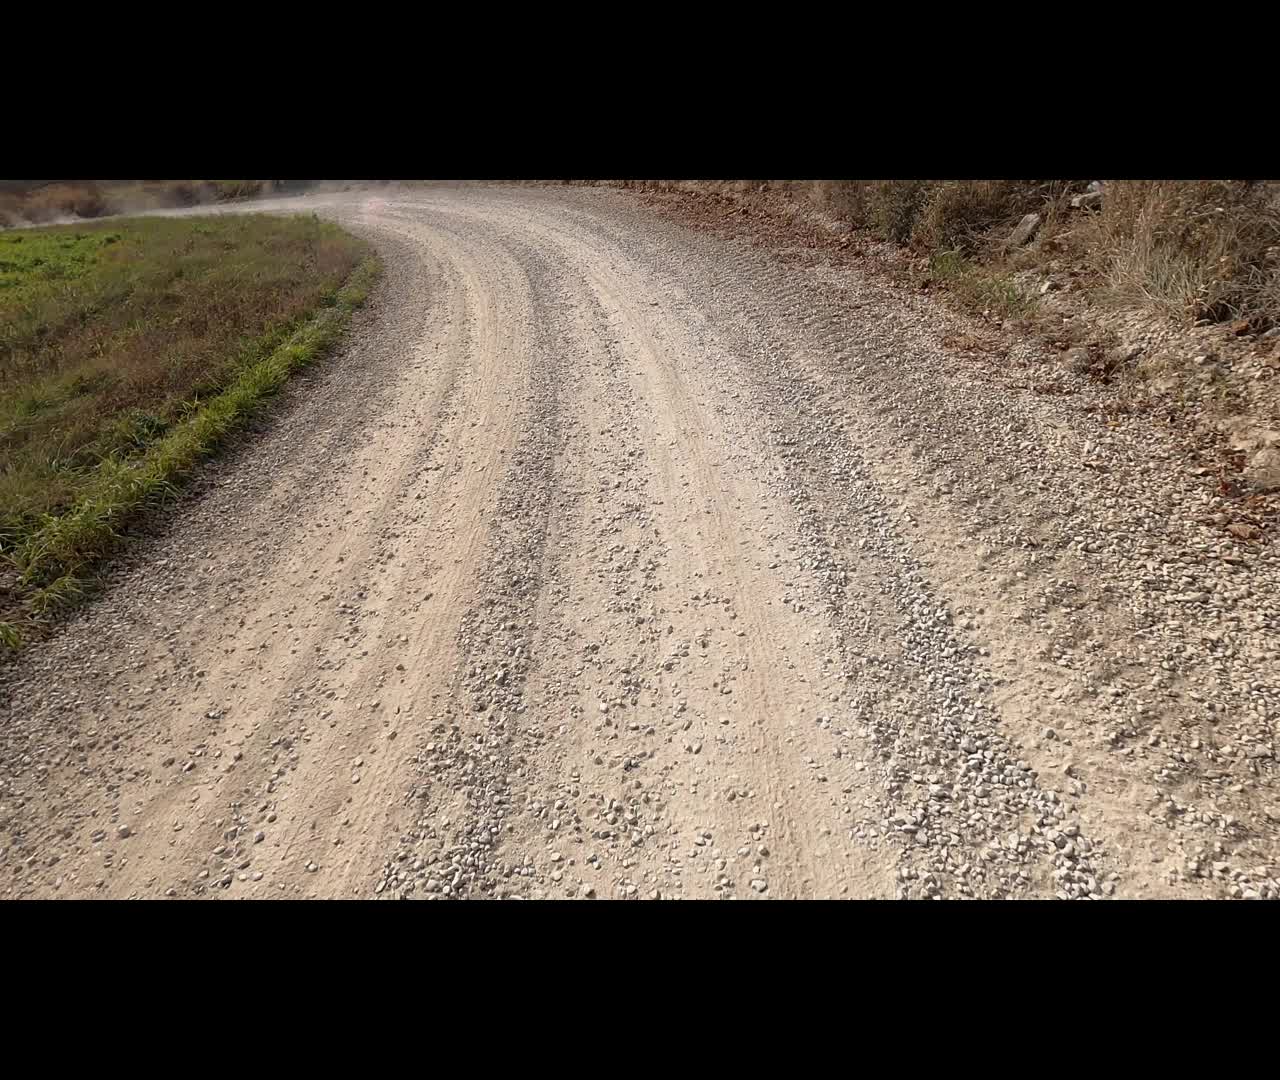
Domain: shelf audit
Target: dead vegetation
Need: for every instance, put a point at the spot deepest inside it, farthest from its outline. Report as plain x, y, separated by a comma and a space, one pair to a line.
37, 202
1202, 251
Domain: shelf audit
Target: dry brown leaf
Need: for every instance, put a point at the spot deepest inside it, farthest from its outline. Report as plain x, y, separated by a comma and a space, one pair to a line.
1244, 530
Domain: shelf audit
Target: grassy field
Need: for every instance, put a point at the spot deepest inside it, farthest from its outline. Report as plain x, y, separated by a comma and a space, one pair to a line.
128, 349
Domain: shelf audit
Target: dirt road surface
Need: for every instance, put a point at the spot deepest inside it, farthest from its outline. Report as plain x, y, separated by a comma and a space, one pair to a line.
608, 558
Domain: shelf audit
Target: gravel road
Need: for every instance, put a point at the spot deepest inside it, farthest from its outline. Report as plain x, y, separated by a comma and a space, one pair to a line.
611, 559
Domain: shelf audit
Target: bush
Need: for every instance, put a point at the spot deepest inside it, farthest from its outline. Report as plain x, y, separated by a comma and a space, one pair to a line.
226, 190
846, 199
182, 193
959, 215
895, 205
76, 199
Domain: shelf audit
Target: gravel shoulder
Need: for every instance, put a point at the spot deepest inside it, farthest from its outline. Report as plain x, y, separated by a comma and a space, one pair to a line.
609, 558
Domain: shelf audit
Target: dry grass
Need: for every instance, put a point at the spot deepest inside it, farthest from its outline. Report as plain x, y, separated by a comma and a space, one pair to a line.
119, 345
935, 215
1196, 250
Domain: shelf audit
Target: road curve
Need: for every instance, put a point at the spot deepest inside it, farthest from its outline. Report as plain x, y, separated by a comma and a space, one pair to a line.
610, 559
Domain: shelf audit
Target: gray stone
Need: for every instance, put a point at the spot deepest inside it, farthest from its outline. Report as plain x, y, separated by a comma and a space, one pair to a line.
1077, 360
1025, 230
1263, 470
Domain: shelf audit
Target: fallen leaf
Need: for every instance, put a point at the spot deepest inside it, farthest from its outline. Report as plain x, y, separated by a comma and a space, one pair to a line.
1244, 530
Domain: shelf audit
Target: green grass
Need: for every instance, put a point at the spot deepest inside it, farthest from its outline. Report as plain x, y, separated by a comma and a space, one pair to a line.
980, 287
32, 262
129, 352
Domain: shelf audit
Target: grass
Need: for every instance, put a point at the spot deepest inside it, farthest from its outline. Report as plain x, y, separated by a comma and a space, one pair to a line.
981, 287
129, 351
1198, 251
